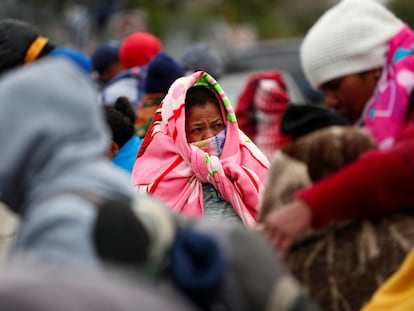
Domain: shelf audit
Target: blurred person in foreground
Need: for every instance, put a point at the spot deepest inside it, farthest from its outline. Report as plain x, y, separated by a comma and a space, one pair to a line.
195, 159
359, 55
57, 171
363, 74
33, 285
79, 212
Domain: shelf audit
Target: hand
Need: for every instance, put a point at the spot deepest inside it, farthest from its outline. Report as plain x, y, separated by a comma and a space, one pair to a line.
286, 225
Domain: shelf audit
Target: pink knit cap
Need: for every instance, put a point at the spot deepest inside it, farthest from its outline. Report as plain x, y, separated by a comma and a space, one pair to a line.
138, 49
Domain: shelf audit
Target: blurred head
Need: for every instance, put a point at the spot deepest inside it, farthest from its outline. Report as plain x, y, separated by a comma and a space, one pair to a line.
203, 118
348, 95
349, 40
163, 70
138, 49
20, 44
105, 60
61, 125
201, 57
120, 117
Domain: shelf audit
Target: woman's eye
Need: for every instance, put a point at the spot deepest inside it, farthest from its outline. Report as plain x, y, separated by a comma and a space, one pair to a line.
196, 131
219, 125
335, 85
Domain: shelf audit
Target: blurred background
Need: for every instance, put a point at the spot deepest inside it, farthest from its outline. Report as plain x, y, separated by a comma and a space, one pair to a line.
226, 24
249, 34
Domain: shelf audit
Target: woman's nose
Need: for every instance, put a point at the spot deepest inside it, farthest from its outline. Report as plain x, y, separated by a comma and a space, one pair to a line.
208, 133
331, 100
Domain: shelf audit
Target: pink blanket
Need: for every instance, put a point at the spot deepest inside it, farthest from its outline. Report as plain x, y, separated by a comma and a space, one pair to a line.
386, 112
173, 171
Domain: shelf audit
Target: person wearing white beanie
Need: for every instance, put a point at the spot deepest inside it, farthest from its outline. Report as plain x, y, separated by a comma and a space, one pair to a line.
361, 56
357, 41
349, 38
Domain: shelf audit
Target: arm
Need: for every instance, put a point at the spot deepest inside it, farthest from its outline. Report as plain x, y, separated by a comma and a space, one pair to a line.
376, 184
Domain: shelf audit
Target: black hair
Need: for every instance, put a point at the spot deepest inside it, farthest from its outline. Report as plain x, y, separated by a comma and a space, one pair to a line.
123, 105
120, 121
198, 96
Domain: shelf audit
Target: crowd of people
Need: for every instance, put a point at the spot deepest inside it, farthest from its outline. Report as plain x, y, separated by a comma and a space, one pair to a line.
134, 171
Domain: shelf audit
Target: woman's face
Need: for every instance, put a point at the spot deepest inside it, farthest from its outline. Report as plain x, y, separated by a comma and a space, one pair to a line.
203, 122
349, 94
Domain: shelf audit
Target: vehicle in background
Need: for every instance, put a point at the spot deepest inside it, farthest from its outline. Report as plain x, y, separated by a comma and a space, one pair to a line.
280, 55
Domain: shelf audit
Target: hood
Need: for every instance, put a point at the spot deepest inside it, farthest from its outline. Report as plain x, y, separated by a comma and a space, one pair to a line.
53, 135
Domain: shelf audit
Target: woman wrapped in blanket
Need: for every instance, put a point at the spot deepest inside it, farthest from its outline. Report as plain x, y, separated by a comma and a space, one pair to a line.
195, 159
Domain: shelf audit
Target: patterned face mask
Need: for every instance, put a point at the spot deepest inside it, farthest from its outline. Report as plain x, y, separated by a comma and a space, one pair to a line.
213, 145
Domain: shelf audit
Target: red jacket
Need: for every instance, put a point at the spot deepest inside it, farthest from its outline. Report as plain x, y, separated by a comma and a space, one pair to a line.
378, 183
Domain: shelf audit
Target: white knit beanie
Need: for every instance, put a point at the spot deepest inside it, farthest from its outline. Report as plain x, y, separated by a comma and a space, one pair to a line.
350, 37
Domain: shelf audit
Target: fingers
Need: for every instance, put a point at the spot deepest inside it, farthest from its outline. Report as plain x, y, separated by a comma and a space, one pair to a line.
284, 246
285, 226
259, 228
280, 242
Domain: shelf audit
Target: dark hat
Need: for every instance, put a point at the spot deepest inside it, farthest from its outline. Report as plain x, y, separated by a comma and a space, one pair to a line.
162, 72
198, 266
300, 120
16, 39
105, 55
201, 57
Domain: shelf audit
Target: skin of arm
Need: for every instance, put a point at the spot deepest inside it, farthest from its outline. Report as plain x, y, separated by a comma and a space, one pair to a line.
286, 225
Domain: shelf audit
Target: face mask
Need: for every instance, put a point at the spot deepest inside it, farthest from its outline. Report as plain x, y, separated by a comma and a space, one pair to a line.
213, 145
